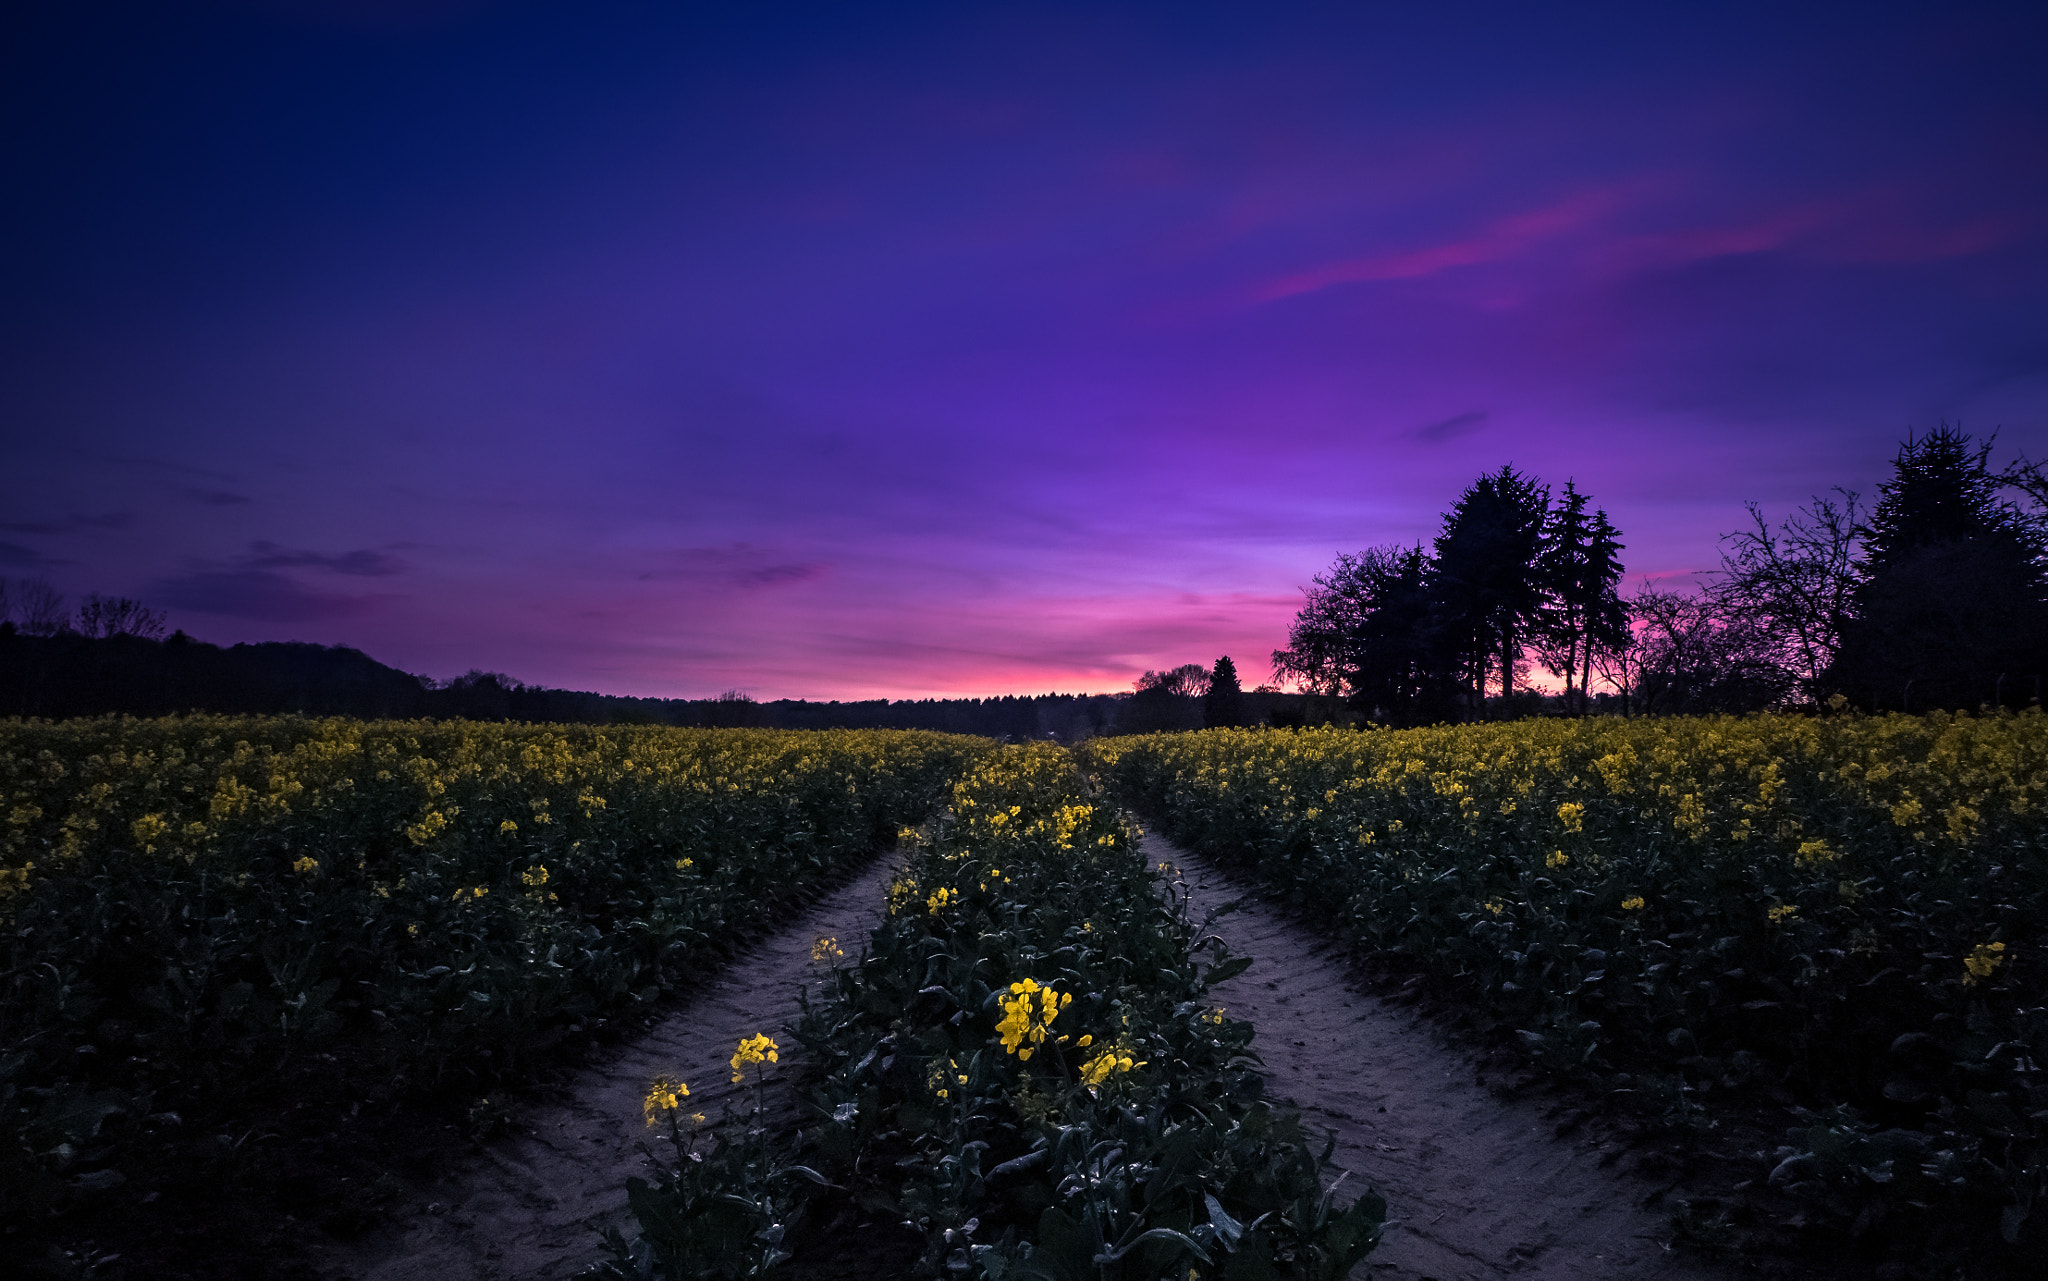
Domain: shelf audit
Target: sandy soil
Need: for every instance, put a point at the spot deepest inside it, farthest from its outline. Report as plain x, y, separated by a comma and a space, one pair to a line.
1478, 1187
530, 1206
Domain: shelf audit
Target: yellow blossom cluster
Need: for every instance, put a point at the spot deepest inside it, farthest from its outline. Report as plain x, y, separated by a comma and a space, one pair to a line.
1111, 1061
1981, 962
1028, 1012
756, 1051
943, 1077
664, 1096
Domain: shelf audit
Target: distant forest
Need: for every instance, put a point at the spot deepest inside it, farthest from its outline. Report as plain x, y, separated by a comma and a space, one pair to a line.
70, 671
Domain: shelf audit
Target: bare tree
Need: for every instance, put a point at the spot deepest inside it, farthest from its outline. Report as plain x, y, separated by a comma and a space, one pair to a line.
1686, 656
42, 608
1794, 587
119, 616
1191, 679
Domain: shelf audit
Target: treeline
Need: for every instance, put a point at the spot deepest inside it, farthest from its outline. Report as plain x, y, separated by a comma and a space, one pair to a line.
1936, 596
63, 670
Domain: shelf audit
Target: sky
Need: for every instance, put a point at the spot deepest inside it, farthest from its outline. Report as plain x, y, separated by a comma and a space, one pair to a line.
870, 350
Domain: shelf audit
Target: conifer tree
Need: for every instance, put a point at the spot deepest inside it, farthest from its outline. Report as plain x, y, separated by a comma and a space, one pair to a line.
1487, 582
1580, 570
1223, 703
1951, 598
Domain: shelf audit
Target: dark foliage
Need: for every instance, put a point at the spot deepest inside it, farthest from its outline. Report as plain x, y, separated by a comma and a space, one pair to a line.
1223, 702
1950, 597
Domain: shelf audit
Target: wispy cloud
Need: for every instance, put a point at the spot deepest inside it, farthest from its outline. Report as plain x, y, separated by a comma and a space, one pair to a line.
362, 563
1500, 240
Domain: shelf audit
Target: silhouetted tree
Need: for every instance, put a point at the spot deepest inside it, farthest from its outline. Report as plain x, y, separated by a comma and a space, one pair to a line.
1951, 599
1486, 580
1795, 585
1190, 680
1681, 655
102, 616
1223, 701
1579, 567
42, 608
1165, 700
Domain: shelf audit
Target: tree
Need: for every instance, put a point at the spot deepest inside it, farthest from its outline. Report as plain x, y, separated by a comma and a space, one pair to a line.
1486, 580
1165, 701
1366, 631
102, 616
1324, 634
1795, 585
1223, 701
1189, 680
1681, 655
1951, 597
42, 608
1580, 568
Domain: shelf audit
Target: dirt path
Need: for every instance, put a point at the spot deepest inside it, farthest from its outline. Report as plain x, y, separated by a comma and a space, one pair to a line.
1478, 1188
531, 1206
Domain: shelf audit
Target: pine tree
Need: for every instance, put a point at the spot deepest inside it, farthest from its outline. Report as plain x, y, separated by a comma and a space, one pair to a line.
1223, 704
1487, 582
1580, 569
1951, 599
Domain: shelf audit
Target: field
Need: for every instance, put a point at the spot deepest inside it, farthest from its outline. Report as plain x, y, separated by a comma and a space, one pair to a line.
234, 947
246, 958
1019, 1076
1840, 916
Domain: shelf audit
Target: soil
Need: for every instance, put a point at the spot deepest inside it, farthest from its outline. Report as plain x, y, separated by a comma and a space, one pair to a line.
531, 1205
1478, 1186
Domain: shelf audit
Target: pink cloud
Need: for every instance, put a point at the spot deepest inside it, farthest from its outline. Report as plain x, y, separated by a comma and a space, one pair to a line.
1505, 238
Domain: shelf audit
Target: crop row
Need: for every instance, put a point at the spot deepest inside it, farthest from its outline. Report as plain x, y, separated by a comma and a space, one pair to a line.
1023, 1068
209, 917
1693, 914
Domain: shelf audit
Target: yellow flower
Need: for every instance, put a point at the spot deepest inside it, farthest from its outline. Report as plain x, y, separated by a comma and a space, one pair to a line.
1782, 913
470, 892
1111, 1061
306, 866
754, 1051
147, 829
1981, 961
1573, 816
534, 877
1027, 1020
1495, 906
684, 864
1815, 854
508, 826
940, 898
1633, 903
1557, 859
663, 1097
825, 951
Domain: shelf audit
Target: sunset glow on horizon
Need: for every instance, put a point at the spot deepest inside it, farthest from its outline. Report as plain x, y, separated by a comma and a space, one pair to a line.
857, 351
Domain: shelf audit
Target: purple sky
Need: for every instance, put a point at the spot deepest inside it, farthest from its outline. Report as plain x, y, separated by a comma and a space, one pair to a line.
843, 351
